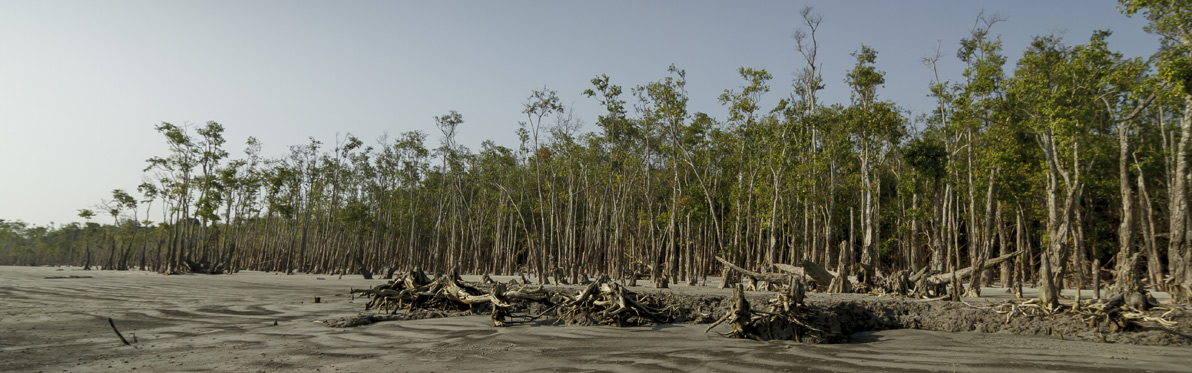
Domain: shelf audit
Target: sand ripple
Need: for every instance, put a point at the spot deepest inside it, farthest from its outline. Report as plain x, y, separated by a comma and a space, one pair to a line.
226, 323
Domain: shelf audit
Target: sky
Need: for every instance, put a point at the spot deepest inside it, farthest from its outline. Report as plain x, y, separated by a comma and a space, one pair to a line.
83, 83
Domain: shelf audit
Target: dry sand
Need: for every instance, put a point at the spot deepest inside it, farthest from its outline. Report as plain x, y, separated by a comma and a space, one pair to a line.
227, 323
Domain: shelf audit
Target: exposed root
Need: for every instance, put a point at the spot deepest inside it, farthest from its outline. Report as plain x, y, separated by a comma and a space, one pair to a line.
788, 318
1117, 314
784, 315
602, 302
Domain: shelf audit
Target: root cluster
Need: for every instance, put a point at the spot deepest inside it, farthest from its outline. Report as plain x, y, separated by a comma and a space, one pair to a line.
1117, 314
601, 302
787, 317
784, 316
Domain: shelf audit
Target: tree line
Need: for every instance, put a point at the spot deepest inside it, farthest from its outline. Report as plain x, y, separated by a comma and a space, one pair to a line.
1078, 158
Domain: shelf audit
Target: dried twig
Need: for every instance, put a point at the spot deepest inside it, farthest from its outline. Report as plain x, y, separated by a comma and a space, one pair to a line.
113, 324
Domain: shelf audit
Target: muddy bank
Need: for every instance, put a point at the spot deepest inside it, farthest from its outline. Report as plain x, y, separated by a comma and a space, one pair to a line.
860, 315
822, 318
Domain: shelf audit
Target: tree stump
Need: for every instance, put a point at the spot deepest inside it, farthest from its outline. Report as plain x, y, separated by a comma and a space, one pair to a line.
738, 316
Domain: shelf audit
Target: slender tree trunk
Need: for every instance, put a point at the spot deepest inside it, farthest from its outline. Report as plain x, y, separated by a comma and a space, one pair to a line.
1125, 276
1058, 219
986, 245
1179, 255
1154, 264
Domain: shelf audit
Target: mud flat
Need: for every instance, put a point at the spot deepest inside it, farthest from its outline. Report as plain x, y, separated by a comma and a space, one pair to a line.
251, 321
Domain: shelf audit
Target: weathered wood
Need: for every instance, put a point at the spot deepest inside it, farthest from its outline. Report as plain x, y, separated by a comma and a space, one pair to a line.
738, 316
587, 292
726, 279
500, 306
964, 273
601, 302
787, 319
389, 273
768, 277
204, 267
821, 276
841, 283
113, 324
363, 269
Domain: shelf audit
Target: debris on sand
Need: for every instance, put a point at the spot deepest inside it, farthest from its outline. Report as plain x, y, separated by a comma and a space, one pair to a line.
785, 315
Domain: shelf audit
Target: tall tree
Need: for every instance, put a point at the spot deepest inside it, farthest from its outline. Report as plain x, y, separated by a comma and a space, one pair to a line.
1172, 21
875, 127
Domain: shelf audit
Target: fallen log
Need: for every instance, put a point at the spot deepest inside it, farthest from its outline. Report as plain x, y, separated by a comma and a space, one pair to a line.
768, 277
821, 276
967, 271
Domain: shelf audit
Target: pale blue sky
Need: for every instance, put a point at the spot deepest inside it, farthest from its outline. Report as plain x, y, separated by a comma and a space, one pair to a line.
82, 83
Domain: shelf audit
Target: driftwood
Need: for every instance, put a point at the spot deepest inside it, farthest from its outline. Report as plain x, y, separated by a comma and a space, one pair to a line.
205, 268
768, 277
821, 276
967, 271
601, 302
417, 292
389, 273
113, 324
606, 302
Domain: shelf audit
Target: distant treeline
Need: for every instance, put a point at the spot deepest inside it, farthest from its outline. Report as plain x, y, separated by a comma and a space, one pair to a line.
1079, 158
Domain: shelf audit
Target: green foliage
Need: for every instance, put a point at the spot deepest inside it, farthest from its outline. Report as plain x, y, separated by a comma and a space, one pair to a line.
617, 127
744, 104
608, 200
1177, 71
864, 78
927, 156
1171, 20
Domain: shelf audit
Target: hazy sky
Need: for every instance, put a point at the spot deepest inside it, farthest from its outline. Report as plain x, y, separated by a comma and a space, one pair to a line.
83, 83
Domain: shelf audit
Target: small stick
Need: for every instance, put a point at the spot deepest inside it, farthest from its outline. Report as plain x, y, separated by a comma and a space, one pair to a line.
113, 324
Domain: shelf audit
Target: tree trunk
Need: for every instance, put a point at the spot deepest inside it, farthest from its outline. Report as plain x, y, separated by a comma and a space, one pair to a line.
1154, 265
1125, 276
1058, 220
1179, 257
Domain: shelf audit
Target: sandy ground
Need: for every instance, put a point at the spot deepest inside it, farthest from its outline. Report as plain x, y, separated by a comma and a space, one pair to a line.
265, 322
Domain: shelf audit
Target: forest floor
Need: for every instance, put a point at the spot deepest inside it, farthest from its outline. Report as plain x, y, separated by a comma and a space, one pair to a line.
56, 319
